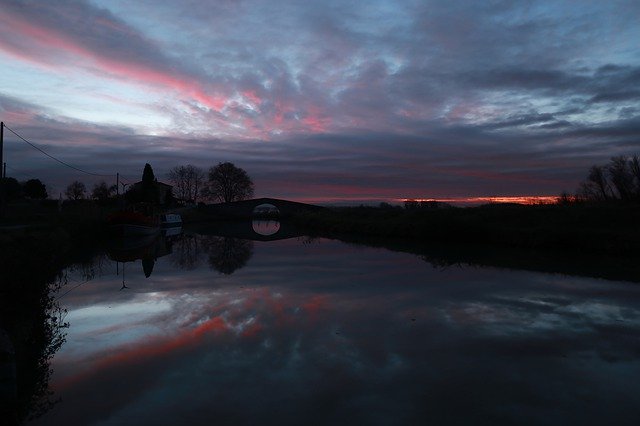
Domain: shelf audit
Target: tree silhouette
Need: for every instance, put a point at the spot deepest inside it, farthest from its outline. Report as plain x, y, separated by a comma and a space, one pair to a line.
188, 181
102, 191
33, 323
229, 183
76, 190
34, 189
12, 189
147, 174
622, 177
618, 180
146, 190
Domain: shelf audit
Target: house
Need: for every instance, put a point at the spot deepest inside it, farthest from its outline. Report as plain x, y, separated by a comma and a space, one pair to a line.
163, 190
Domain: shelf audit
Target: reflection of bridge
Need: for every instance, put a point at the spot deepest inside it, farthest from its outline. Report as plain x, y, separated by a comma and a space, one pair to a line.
244, 230
244, 209
237, 218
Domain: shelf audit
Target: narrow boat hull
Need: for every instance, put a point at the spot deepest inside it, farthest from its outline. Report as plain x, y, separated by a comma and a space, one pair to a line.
171, 220
131, 230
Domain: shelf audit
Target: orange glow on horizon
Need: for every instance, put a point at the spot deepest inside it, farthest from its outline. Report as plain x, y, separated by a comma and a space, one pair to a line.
372, 200
517, 199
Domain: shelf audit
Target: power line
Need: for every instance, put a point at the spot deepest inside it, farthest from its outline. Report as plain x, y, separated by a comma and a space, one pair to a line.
54, 158
30, 174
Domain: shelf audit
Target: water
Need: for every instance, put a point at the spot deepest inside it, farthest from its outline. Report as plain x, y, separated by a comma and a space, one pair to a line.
316, 331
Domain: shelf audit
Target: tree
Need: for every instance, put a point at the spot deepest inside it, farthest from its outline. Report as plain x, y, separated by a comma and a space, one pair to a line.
596, 186
76, 190
147, 174
34, 189
229, 183
619, 180
148, 191
634, 164
188, 181
12, 189
621, 177
102, 191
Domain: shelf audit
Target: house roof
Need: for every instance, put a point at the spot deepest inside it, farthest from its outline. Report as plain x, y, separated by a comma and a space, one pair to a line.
156, 182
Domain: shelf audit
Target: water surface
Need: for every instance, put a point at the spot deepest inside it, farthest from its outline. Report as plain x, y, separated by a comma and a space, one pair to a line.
211, 329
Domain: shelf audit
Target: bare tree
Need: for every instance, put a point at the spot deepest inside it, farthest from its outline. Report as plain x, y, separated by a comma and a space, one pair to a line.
101, 191
188, 182
229, 183
634, 164
76, 190
621, 177
618, 180
596, 186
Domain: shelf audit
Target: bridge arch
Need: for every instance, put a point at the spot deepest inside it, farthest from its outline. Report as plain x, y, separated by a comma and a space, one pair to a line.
245, 209
266, 211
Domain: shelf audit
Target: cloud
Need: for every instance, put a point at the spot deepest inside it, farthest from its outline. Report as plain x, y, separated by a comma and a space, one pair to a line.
443, 98
75, 34
482, 161
616, 96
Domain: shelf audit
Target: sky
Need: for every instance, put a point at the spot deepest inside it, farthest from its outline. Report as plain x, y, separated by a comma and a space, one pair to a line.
333, 101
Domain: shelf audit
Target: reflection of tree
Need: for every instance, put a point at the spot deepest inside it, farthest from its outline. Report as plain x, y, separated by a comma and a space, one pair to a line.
147, 266
440, 262
90, 267
31, 327
306, 240
186, 251
226, 254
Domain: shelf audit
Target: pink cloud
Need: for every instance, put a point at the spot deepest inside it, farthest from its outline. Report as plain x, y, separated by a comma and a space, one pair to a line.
57, 50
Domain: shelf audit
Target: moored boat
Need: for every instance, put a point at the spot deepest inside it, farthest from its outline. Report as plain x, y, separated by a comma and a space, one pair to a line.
133, 223
170, 220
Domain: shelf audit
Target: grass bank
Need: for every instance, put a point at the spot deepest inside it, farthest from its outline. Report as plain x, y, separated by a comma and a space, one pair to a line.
578, 228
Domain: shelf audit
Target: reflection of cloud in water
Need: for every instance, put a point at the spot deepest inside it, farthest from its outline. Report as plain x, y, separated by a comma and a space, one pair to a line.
337, 333
535, 313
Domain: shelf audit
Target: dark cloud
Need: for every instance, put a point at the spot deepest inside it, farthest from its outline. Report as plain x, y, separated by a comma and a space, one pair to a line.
616, 96
482, 160
394, 97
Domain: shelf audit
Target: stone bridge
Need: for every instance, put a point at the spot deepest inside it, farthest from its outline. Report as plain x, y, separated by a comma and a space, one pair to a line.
246, 231
245, 209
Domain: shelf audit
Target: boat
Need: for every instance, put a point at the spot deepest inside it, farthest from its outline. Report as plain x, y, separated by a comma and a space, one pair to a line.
170, 220
131, 223
172, 231
147, 248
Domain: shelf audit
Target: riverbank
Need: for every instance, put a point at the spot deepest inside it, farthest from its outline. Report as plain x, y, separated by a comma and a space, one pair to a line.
610, 229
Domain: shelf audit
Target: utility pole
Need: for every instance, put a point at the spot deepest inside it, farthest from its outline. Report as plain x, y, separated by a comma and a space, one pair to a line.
121, 205
1, 142
2, 172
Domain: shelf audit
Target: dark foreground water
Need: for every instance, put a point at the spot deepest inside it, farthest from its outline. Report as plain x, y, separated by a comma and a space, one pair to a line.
301, 331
